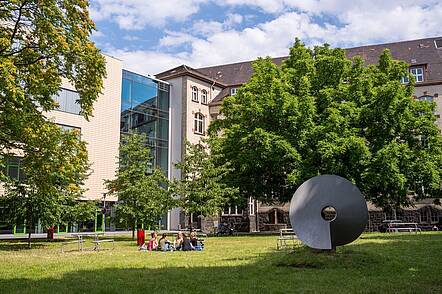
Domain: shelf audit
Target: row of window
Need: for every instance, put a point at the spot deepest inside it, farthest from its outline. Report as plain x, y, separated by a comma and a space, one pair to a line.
237, 210
195, 95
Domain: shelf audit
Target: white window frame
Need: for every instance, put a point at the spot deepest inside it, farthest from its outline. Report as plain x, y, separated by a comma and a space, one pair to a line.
233, 211
233, 91
203, 97
198, 123
195, 94
418, 73
251, 206
405, 80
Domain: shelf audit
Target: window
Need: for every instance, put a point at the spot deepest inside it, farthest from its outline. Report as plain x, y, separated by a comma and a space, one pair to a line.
232, 210
438, 43
199, 123
434, 216
194, 94
204, 97
14, 170
418, 73
405, 80
233, 91
67, 101
251, 206
426, 98
69, 128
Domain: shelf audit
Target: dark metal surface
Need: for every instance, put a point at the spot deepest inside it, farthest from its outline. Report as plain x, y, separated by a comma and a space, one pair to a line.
312, 197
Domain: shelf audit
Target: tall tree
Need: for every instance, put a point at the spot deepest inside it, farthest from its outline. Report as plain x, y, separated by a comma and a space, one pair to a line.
322, 113
201, 188
55, 170
41, 43
143, 192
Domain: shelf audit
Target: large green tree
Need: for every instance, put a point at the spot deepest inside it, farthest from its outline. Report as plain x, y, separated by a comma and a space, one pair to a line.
55, 170
322, 113
41, 43
201, 188
143, 192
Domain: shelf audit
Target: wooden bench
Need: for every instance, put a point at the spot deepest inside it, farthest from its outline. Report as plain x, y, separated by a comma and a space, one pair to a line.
99, 242
79, 242
287, 238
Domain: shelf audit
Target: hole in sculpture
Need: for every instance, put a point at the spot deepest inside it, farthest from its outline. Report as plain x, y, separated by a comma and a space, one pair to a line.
328, 213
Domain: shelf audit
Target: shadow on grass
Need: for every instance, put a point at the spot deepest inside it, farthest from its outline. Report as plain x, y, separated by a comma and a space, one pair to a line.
369, 268
18, 245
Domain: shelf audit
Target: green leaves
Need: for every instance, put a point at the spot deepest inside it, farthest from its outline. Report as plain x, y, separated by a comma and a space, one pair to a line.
41, 43
321, 113
202, 188
143, 191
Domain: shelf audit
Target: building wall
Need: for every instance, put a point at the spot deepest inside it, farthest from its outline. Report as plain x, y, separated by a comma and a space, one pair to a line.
434, 91
101, 132
194, 107
177, 112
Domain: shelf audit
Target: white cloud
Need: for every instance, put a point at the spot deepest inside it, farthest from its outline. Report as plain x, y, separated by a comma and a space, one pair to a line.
358, 22
137, 14
175, 39
148, 62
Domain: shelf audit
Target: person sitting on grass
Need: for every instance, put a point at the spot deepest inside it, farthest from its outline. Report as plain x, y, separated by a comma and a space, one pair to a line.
187, 246
178, 243
193, 239
164, 244
153, 242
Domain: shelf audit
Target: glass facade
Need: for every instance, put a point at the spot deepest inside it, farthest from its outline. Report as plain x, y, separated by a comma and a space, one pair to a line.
145, 109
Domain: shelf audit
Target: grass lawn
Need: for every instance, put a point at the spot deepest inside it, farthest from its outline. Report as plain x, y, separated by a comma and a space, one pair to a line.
375, 263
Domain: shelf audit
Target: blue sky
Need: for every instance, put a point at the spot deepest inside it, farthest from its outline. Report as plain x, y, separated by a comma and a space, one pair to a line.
151, 36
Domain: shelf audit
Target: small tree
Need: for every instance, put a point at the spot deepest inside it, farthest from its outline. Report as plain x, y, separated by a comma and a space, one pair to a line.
201, 188
143, 194
55, 170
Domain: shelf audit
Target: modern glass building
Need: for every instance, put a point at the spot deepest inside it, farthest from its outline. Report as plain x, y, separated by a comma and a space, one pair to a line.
145, 109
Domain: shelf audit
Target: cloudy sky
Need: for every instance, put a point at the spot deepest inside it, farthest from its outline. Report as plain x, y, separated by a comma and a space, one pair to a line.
154, 35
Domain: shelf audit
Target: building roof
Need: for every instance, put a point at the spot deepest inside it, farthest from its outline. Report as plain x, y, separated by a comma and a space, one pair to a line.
414, 52
234, 74
184, 70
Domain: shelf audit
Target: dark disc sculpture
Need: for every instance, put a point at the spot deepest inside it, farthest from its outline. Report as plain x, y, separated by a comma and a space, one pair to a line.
328, 211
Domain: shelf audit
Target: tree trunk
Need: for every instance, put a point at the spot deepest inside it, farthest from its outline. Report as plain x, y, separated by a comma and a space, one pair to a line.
133, 230
30, 229
190, 222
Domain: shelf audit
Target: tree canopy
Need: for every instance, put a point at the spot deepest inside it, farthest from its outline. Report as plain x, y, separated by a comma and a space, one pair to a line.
322, 113
41, 43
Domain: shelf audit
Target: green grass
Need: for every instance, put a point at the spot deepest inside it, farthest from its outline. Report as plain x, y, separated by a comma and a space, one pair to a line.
375, 263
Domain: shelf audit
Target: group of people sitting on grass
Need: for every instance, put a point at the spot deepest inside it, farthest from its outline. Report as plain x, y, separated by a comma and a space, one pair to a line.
181, 242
